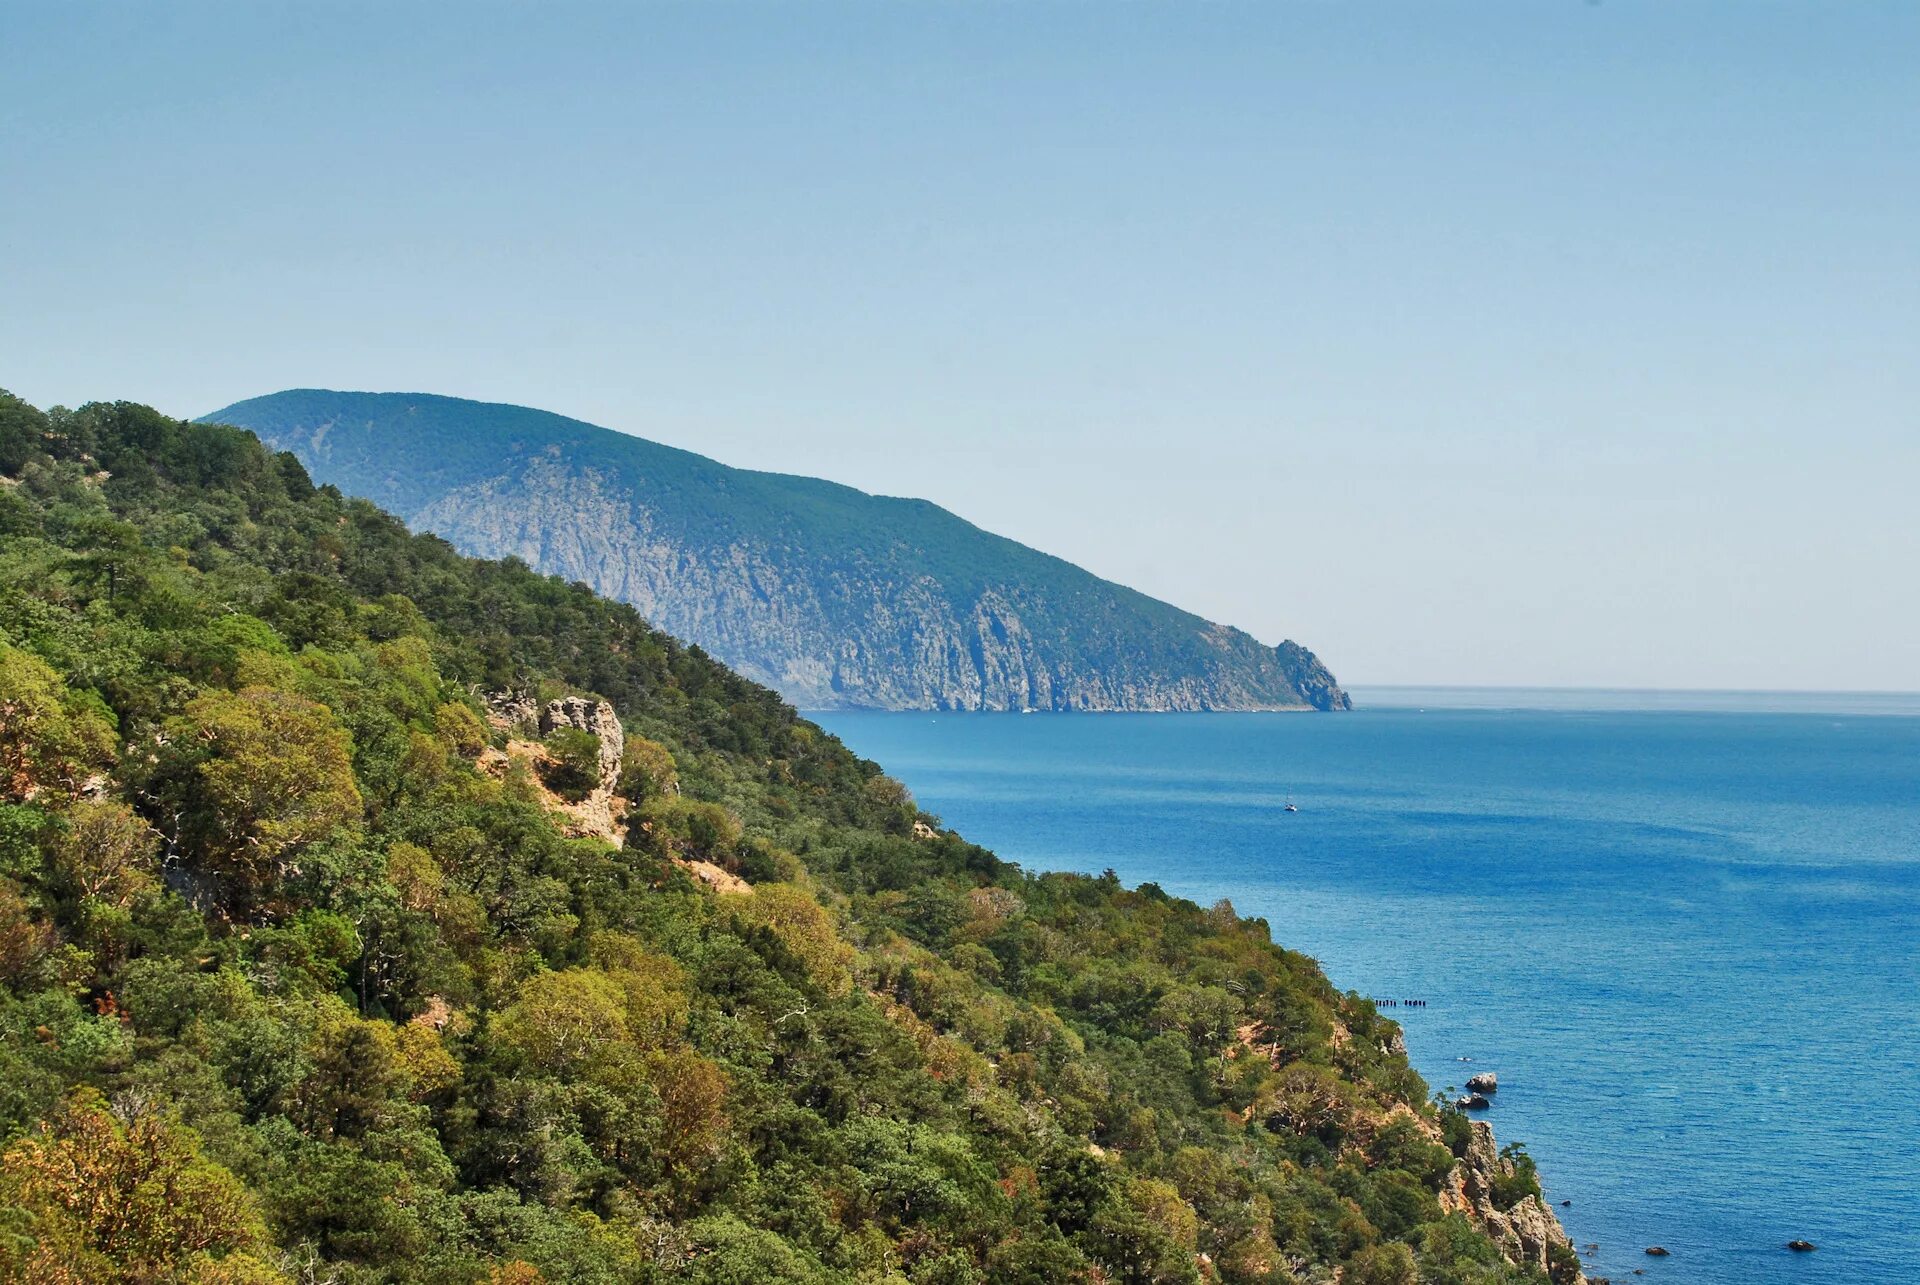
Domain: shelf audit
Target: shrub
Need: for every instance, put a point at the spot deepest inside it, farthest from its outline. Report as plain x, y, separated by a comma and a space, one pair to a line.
572, 768
1521, 1180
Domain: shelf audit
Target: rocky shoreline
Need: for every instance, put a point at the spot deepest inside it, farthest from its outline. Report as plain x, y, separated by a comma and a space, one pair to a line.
1528, 1232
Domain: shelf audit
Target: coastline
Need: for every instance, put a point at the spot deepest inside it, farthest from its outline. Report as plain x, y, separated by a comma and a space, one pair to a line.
1495, 863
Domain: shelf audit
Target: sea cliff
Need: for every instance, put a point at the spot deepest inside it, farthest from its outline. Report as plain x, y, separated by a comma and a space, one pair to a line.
835, 598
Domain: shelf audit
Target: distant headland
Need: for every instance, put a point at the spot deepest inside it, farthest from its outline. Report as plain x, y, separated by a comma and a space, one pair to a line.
833, 597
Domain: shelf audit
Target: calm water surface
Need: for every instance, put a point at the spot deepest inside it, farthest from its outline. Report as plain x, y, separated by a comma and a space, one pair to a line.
1688, 940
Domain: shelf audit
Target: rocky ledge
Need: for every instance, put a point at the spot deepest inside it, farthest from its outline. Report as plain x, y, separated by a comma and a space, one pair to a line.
520, 715
1527, 1232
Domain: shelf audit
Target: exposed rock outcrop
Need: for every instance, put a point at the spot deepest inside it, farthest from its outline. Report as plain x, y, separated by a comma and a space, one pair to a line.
1527, 1232
1484, 1082
512, 710
597, 814
596, 718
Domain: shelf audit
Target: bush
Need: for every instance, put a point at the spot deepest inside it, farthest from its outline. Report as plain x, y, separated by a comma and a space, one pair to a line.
1520, 1181
1389, 1264
572, 769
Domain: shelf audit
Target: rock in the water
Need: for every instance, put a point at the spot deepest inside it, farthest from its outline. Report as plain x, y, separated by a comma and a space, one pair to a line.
1471, 1102
1484, 1082
1658, 1251
1801, 1246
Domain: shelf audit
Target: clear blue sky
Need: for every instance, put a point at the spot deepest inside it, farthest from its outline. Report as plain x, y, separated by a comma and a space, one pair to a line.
1543, 342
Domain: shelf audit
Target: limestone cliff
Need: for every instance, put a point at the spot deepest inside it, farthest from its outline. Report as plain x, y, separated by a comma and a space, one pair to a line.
1527, 1231
521, 717
833, 597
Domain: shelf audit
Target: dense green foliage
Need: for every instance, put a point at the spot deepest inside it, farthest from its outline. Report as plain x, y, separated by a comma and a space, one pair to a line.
832, 595
293, 986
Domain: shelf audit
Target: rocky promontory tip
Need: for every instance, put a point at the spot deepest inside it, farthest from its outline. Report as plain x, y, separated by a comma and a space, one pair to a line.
1482, 1186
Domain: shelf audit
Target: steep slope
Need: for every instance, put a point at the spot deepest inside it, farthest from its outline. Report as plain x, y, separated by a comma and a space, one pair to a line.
829, 595
327, 954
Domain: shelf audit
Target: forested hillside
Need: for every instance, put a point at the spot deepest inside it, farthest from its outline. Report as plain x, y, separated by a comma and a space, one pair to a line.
830, 595
324, 957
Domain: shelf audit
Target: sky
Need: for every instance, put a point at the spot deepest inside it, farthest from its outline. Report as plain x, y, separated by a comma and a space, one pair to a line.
1502, 343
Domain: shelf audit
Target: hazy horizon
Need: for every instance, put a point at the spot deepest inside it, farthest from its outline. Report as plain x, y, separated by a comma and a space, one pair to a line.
1506, 345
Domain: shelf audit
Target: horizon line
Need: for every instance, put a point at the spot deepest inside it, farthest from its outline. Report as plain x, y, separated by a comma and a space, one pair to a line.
1596, 687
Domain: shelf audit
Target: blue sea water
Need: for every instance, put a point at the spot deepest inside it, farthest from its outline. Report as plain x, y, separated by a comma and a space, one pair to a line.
1684, 932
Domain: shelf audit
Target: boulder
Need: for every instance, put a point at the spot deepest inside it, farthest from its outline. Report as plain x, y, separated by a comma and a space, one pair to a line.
1471, 1102
1801, 1246
1657, 1251
1484, 1082
511, 710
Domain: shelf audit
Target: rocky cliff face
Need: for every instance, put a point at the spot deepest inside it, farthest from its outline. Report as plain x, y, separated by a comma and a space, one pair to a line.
833, 597
597, 719
520, 715
1528, 1233
858, 634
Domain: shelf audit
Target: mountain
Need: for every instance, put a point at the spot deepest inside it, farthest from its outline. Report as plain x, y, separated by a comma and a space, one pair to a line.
833, 597
370, 913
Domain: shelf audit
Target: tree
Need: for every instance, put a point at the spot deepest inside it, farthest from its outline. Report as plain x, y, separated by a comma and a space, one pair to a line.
560, 1020
464, 731
727, 1251
23, 432
1388, 1264
416, 876
572, 766
355, 1076
25, 941
276, 777
654, 984
107, 852
124, 1195
693, 1094
647, 771
1309, 1100
50, 739
803, 927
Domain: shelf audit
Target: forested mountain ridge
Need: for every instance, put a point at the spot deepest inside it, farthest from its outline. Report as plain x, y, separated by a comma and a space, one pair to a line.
833, 597
302, 978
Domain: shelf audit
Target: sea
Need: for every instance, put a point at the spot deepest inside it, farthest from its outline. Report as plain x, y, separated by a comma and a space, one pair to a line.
1682, 928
